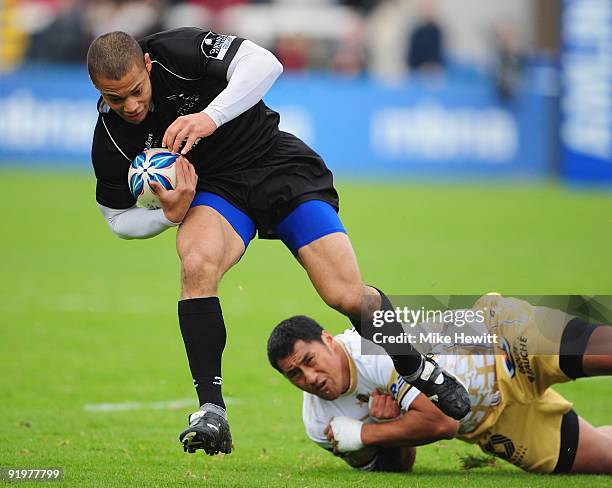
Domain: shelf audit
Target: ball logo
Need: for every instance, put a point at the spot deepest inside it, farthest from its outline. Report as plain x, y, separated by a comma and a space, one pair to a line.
152, 165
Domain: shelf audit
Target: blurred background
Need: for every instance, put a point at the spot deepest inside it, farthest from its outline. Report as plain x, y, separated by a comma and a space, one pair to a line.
442, 89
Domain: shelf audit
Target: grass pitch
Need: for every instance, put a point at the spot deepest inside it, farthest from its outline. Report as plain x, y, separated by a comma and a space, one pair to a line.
88, 319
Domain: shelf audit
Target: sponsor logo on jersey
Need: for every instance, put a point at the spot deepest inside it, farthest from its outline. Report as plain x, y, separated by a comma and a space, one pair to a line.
503, 447
362, 398
401, 382
399, 387
184, 103
215, 46
149, 141
507, 357
521, 353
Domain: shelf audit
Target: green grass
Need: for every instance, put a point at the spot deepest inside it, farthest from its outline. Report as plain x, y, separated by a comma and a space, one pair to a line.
88, 318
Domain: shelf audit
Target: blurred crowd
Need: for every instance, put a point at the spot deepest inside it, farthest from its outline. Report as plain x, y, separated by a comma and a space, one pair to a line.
384, 37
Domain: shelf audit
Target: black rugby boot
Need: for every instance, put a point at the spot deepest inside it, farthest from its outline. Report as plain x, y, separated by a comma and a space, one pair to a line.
443, 389
208, 429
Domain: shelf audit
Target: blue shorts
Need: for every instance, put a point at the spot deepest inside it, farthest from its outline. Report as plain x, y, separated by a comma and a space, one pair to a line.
306, 223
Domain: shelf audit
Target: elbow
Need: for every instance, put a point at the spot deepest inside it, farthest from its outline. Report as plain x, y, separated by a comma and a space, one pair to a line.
278, 68
447, 429
119, 234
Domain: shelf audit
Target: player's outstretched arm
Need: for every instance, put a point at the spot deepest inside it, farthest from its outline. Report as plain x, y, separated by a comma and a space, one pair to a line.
423, 423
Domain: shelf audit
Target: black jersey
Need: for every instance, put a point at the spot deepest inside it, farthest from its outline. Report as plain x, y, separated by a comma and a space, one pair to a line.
189, 70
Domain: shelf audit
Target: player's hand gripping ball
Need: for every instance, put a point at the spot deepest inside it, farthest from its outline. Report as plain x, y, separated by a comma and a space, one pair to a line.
151, 165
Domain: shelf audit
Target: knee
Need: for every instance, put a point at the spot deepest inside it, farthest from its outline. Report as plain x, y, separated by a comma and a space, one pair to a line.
200, 273
345, 299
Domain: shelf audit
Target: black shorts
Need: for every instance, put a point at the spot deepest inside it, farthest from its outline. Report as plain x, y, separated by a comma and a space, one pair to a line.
290, 174
569, 443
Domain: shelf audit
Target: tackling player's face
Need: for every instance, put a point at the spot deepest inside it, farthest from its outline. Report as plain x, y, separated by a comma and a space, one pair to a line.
129, 97
320, 368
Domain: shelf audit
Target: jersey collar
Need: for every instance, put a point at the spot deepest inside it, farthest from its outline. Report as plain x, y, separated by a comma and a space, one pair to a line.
352, 370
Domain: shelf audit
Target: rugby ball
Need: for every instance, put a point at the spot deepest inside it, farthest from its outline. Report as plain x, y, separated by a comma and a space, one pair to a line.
151, 165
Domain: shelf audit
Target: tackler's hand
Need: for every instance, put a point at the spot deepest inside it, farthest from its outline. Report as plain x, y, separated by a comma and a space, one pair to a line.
189, 129
175, 203
344, 434
383, 407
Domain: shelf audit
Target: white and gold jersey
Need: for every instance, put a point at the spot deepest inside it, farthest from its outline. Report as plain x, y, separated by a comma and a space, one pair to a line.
370, 372
367, 373
514, 413
477, 373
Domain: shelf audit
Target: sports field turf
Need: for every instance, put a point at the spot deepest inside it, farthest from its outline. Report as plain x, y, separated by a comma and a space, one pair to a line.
88, 319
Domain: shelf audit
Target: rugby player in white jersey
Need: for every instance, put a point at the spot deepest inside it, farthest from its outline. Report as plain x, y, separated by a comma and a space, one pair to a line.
357, 406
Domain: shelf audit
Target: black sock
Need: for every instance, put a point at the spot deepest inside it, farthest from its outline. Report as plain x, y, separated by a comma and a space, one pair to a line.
409, 362
204, 336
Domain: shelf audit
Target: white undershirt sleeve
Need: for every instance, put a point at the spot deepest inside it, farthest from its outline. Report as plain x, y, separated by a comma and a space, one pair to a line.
250, 75
136, 223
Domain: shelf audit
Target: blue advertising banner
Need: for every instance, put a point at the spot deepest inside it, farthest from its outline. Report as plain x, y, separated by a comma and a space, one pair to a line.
586, 104
359, 126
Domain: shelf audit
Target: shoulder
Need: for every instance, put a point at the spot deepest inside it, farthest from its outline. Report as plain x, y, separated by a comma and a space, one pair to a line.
351, 341
173, 38
377, 368
190, 42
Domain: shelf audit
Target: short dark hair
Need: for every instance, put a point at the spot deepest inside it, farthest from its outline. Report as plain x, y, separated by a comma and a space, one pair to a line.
113, 55
287, 333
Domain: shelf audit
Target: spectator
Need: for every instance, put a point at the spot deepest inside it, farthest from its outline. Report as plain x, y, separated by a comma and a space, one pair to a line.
136, 17
292, 52
216, 6
425, 51
64, 39
364, 6
509, 62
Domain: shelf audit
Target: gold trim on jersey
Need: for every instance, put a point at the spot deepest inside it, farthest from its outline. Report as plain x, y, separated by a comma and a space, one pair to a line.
352, 370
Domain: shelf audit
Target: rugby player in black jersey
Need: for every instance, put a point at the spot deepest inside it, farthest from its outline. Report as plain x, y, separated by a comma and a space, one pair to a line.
200, 93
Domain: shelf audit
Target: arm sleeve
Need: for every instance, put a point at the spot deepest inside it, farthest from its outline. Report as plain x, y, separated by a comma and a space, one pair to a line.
136, 223
250, 75
384, 375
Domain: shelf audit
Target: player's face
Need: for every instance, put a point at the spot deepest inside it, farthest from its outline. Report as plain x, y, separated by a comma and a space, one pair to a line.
129, 97
318, 368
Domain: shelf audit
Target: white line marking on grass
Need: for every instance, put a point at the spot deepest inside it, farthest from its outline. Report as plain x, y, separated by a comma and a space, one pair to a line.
164, 405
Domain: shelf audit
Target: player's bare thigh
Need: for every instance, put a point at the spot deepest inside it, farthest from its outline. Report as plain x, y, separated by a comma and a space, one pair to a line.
605, 430
208, 246
594, 453
332, 267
